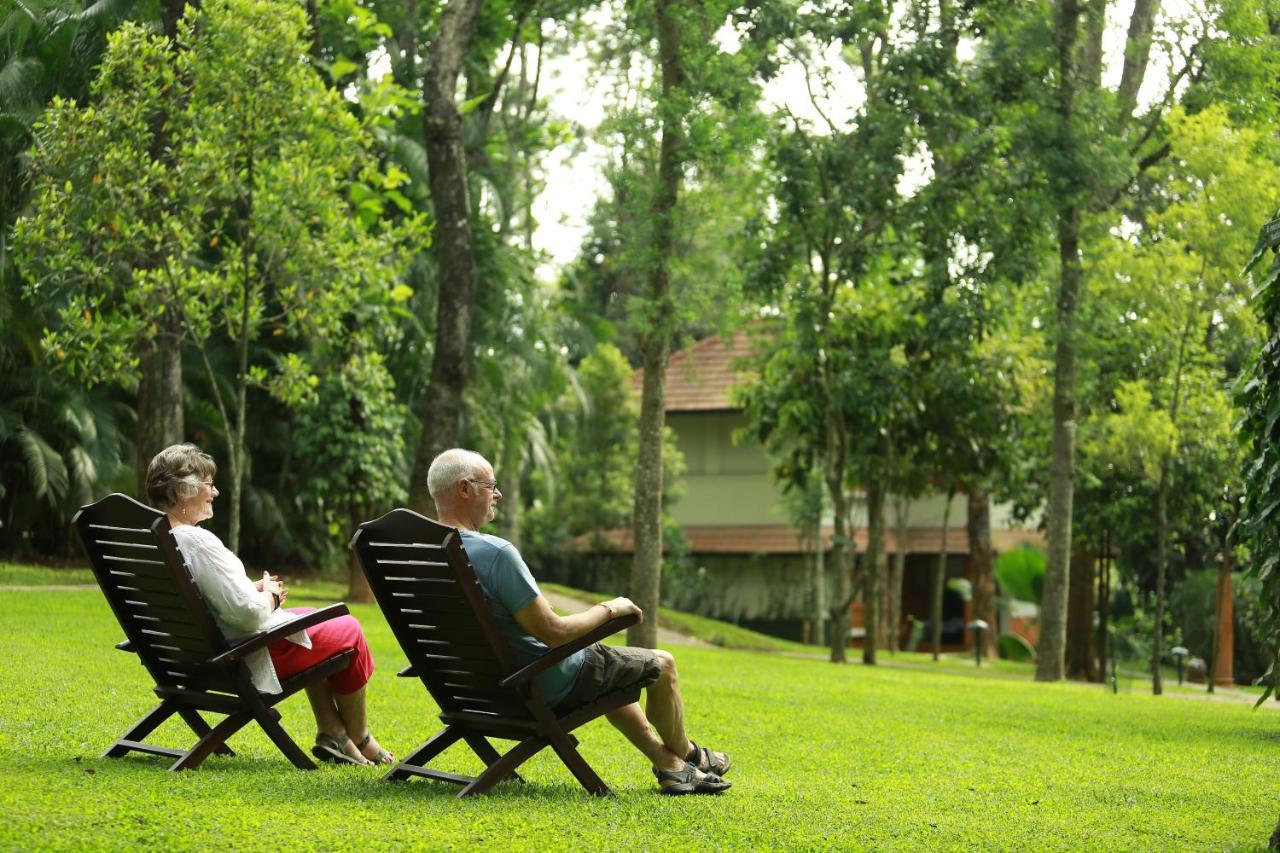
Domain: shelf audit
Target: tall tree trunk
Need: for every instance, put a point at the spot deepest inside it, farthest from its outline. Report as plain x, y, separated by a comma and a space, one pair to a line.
358, 588
875, 559
978, 527
159, 392
1162, 555
1050, 663
840, 551
1137, 54
818, 584
901, 512
1095, 25
655, 342
1162, 516
511, 511
940, 577
1079, 655
442, 406
1104, 606
171, 12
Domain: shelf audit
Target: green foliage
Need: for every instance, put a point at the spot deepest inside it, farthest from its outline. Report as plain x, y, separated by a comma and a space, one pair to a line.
1123, 764
1020, 572
1260, 431
350, 443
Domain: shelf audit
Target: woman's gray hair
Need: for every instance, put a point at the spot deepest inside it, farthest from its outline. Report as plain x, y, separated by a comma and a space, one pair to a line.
175, 474
450, 467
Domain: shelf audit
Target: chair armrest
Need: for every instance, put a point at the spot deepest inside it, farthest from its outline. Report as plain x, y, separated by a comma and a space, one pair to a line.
126, 646
266, 638
407, 672
518, 679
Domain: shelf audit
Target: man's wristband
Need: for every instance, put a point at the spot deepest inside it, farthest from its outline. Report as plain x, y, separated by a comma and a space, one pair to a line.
608, 610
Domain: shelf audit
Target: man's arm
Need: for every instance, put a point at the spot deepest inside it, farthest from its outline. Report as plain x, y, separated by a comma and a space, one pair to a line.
541, 621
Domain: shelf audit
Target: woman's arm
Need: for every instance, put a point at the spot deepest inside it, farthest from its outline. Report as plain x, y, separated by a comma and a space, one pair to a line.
221, 579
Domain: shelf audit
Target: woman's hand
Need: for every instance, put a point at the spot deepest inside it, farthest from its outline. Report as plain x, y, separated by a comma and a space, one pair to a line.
271, 584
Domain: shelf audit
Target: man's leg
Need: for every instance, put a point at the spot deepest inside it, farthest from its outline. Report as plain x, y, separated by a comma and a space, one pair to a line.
664, 707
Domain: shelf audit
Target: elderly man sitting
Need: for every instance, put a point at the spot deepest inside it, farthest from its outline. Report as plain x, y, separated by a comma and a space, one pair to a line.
466, 494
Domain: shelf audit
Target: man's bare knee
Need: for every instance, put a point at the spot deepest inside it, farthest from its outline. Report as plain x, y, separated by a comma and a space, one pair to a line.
667, 662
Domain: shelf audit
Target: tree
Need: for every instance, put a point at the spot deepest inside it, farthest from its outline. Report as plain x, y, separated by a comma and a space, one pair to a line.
249, 227
350, 432
1175, 284
442, 137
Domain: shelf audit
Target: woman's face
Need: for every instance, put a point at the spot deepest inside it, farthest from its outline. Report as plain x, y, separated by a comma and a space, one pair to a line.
199, 506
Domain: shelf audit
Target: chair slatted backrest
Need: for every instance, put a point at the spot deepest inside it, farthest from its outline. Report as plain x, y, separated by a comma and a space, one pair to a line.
429, 593
148, 585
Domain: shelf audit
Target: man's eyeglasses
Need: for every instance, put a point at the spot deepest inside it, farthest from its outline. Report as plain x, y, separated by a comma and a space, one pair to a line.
488, 484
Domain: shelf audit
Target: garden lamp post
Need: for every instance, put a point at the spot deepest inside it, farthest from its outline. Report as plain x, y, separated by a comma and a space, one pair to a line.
1179, 655
979, 628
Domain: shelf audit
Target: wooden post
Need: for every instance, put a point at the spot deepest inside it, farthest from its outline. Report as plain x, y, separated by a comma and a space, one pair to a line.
1223, 674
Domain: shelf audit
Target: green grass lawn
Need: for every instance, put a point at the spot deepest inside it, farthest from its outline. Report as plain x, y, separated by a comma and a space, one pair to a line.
910, 755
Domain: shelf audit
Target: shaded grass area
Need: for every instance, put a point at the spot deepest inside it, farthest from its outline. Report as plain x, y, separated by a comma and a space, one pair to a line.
14, 574
708, 630
825, 757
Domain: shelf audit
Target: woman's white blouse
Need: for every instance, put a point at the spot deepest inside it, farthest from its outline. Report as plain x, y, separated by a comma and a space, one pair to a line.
239, 607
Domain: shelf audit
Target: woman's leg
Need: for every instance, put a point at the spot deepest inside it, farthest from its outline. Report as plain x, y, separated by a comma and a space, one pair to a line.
338, 703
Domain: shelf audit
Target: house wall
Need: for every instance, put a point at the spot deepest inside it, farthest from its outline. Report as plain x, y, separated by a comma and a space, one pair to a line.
731, 484
724, 483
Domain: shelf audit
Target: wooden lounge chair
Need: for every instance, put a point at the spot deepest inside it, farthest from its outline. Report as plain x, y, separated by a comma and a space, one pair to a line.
422, 579
145, 579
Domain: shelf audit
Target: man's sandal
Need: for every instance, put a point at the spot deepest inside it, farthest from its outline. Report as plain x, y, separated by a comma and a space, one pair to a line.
709, 761
333, 750
686, 781
383, 757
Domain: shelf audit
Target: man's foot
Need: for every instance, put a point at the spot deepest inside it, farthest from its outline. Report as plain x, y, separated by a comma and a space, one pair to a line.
689, 780
373, 751
708, 760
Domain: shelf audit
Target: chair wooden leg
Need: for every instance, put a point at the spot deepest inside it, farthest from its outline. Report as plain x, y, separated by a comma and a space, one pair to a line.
480, 746
216, 737
201, 728
270, 722
504, 766
438, 743
566, 746
138, 731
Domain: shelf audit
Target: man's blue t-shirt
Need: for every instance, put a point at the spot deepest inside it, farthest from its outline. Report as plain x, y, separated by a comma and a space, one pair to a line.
510, 586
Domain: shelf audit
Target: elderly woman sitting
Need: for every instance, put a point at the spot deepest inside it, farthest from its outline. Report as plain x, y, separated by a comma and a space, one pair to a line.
180, 482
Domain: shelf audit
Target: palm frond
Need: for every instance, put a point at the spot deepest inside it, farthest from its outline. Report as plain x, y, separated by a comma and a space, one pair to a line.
84, 474
109, 10
19, 80
409, 155
45, 467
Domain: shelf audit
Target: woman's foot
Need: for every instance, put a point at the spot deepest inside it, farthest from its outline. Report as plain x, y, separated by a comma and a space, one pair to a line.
371, 750
337, 749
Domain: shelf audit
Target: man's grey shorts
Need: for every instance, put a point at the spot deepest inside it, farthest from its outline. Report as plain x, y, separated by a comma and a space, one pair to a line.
609, 668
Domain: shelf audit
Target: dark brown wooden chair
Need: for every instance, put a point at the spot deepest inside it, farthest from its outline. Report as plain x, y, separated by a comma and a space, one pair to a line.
426, 587
168, 625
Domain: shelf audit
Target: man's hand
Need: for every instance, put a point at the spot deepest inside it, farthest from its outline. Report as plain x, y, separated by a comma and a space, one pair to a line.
621, 606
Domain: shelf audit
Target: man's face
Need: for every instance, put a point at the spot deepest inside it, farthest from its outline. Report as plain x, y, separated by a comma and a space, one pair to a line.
483, 495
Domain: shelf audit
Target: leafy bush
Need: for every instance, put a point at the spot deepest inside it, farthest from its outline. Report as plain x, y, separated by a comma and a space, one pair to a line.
1020, 573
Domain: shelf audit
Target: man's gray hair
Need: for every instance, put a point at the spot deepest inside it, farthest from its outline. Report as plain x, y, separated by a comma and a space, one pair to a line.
451, 466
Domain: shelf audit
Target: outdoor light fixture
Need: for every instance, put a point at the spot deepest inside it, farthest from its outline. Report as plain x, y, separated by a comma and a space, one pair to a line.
978, 627
1179, 655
